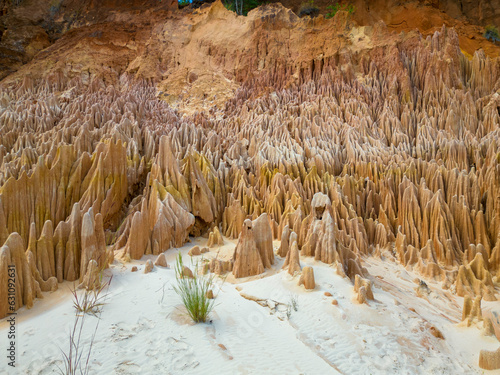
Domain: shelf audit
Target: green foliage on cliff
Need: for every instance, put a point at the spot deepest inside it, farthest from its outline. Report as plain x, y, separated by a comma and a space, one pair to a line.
242, 7
492, 33
334, 8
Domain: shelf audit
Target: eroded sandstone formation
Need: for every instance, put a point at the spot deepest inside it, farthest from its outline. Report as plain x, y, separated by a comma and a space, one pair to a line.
215, 238
307, 278
471, 311
292, 261
474, 279
363, 289
489, 360
333, 240
220, 267
247, 257
371, 144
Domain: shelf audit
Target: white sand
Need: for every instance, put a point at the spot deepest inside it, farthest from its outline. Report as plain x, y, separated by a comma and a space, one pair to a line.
143, 328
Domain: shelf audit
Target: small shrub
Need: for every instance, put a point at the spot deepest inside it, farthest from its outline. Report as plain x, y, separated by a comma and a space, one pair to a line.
492, 33
230, 5
193, 292
308, 9
334, 8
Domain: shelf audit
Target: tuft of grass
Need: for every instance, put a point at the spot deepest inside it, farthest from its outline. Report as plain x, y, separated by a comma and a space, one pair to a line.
308, 9
334, 8
193, 292
92, 300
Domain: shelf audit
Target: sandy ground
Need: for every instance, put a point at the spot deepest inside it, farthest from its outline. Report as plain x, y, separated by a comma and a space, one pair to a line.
254, 329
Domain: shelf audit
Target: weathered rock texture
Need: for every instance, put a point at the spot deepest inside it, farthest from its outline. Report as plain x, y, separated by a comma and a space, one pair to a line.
472, 310
247, 257
307, 278
489, 360
161, 261
371, 142
292, 261
220, 267
363, 290
148, 267
215, 238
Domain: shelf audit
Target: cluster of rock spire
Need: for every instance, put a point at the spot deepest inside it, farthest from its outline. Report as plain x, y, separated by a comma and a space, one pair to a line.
342, 158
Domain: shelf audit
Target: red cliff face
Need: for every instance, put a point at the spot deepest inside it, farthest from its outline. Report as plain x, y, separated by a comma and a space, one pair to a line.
486, 12
34, 25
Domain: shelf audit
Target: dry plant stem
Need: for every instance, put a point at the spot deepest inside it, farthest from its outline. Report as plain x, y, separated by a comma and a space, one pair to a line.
90, 303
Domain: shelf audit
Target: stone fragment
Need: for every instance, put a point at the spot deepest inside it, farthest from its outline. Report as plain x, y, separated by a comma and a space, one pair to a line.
148, 267
195, 250
161, 261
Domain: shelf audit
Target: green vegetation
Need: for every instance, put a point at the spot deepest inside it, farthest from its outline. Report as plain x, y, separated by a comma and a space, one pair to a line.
308, 9
334, 8
193, 291
492, 33
243, 7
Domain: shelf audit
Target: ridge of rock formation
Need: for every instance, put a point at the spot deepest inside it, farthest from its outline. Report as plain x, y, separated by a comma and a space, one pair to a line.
247, 257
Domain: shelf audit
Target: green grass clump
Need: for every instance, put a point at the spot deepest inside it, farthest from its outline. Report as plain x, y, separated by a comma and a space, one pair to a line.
492, 33
334, 8
193, 292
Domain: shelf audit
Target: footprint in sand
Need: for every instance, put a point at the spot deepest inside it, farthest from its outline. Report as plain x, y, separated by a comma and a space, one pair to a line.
127, 367
123, 331
42, 367
171, 353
